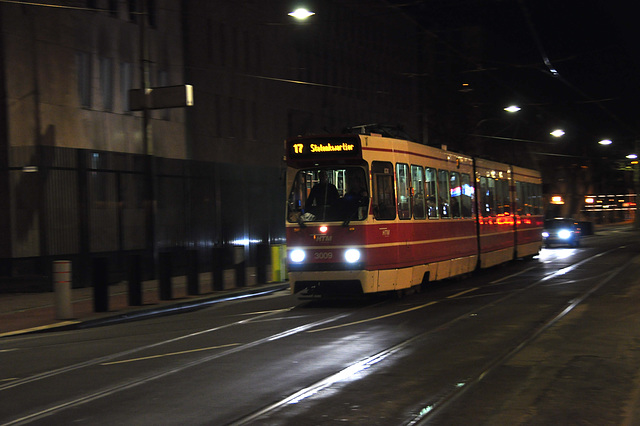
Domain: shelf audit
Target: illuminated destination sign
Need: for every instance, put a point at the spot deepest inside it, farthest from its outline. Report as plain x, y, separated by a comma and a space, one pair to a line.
308, 148
298, 148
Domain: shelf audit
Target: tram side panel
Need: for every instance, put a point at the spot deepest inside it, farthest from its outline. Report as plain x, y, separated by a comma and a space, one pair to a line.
496, 230
426, 247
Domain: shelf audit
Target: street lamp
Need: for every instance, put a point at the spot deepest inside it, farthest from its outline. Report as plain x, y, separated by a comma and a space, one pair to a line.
557, 133
512, 108
605, 142
301, 14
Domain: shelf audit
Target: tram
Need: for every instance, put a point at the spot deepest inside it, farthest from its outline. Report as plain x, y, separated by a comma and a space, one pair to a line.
368, 214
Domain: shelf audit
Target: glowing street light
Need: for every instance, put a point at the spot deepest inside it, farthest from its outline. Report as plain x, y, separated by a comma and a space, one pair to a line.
605, 142
513, 108
301, 14
632, 156
557, 133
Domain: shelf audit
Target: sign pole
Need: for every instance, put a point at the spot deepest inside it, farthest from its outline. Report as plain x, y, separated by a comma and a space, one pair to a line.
147, 139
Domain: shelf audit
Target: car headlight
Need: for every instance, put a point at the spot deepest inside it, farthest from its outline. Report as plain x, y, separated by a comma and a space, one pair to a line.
565, 234
297, 255
352, 255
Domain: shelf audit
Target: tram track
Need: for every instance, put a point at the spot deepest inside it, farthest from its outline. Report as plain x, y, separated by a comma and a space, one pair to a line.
44, 412
111, 357
435, 406
140, 380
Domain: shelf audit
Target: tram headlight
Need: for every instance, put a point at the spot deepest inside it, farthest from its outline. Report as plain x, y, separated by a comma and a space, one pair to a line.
352, 255
545, 234
297, 256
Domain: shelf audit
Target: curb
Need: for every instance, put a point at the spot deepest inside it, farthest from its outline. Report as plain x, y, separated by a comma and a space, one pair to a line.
153, 311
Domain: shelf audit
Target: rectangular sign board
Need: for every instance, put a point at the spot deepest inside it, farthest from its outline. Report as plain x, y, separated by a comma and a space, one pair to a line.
161, 97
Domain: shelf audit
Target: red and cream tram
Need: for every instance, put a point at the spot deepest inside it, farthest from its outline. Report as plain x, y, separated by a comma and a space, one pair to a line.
371, 214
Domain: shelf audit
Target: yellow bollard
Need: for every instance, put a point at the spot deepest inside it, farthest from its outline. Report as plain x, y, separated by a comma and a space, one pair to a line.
278, 263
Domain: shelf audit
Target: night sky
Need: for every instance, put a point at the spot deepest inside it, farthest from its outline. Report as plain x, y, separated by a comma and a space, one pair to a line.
574, 63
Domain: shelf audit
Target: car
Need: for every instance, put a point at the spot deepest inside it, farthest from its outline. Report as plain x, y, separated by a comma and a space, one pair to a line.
561, 231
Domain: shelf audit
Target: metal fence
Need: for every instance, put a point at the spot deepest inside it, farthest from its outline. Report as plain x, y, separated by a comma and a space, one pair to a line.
78, 204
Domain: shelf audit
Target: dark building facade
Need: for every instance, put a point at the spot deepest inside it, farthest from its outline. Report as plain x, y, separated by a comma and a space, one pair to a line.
79, 179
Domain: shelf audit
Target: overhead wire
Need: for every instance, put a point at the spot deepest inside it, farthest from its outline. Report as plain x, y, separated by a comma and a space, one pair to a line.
555, 74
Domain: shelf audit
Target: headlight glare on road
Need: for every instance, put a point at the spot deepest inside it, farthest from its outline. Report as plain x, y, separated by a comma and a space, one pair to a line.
297, 256
352, 255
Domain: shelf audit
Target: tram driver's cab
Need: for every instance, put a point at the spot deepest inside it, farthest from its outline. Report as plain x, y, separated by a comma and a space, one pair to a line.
329, 194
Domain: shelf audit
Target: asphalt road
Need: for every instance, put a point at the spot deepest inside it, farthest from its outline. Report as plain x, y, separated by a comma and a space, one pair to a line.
522, 343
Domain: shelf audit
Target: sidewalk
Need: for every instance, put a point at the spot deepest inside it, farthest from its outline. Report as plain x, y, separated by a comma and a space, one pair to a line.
22, 313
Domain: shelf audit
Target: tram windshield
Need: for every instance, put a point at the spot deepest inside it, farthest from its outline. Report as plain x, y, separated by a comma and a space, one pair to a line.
329, 194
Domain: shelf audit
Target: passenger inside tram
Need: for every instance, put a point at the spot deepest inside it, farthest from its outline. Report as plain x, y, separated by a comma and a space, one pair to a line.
355, 200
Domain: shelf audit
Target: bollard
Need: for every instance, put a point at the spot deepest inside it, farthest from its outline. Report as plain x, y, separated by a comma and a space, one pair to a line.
100, 285
164, 279
278, 263
217, 269
239, 266
263, 260
135, 280
62, 288
193, 285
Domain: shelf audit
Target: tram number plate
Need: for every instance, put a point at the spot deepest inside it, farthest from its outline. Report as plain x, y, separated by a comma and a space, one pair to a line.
323, 255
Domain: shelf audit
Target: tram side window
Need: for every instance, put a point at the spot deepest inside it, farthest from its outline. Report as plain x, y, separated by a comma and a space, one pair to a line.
500, 196
506, 203
519, 199
491, 182
467, 196
431, 192
483, 197
533, 197
417, 185
298, 195
443, 191
456, 195
526, 198
384, 202
487, 197
404, 195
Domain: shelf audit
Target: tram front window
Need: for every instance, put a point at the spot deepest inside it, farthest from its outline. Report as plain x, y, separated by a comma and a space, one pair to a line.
329, 194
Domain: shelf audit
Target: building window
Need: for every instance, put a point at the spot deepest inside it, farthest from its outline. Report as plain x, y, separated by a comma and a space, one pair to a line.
83, 67
209, 40
113, 8
151, 13
133, 10
135, 7
163, 81
106, 83
126, 77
